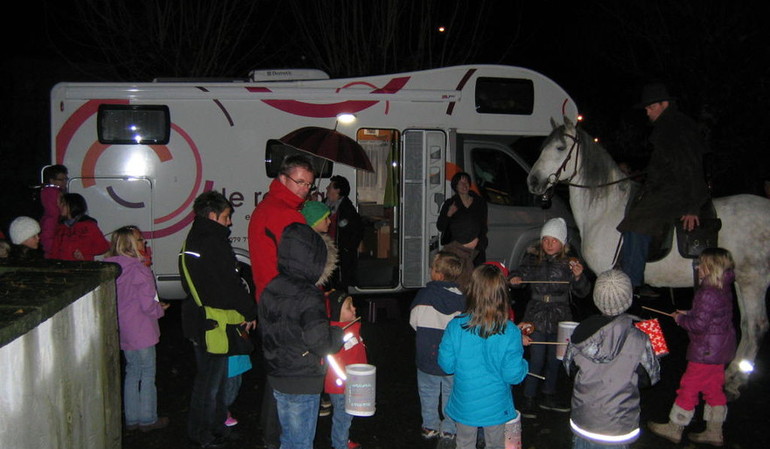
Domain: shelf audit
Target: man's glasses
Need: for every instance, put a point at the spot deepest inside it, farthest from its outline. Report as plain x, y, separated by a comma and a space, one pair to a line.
302, 183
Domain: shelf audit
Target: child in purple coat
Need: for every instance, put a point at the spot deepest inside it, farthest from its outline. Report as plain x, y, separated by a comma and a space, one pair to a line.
138, 313
709, 324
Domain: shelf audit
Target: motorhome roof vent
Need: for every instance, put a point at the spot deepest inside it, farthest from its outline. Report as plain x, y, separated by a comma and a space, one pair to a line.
287, 75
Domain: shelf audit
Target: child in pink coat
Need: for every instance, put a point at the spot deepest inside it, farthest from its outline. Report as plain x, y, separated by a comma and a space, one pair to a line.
709, 325
55, 184
138, 313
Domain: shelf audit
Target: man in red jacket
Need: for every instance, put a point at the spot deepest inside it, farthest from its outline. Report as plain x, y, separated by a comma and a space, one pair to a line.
280, 208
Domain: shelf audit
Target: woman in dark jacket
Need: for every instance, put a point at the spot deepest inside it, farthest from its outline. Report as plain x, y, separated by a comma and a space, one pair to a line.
466, 205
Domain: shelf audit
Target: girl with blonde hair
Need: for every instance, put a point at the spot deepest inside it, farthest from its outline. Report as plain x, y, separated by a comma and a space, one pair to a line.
552, 278
138, 314
709, 325
483, 349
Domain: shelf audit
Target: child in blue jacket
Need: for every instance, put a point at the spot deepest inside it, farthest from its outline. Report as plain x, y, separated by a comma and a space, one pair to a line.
432, 309
483, 349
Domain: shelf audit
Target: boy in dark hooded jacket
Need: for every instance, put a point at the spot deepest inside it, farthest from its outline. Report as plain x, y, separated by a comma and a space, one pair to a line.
296, 335
432, 309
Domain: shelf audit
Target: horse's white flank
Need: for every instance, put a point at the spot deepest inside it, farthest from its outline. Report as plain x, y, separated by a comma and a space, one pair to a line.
598, 208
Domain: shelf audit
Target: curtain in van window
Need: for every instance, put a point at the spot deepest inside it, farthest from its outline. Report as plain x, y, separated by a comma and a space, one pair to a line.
372, 185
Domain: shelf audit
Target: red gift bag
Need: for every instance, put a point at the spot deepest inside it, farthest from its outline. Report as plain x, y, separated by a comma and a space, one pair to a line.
653, 330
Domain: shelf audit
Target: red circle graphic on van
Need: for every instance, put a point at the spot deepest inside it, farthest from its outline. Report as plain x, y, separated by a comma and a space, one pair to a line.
181, 216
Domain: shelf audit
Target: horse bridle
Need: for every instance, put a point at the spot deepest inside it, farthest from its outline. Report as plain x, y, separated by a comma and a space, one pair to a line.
555, 177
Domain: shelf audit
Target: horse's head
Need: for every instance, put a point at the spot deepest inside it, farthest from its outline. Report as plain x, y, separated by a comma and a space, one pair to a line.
554, 156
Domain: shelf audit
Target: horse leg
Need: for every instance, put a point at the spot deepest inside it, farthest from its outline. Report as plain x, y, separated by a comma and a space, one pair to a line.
754, 325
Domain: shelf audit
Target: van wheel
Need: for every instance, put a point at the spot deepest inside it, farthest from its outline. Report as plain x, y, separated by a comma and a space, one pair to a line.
244, 271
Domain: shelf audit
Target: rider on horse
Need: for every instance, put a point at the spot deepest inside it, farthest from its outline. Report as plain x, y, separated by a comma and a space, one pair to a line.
675, 188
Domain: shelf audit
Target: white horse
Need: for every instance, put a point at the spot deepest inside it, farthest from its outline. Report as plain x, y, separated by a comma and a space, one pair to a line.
598, 195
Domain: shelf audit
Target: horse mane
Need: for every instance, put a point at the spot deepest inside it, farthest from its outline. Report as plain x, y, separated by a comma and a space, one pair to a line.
597, 166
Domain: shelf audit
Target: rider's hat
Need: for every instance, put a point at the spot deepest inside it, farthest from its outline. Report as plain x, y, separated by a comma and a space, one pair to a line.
654, 93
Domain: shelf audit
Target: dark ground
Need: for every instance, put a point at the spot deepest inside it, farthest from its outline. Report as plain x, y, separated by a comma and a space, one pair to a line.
396, 423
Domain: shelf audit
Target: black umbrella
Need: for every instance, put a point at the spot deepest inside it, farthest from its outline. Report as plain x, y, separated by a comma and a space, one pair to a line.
329, 144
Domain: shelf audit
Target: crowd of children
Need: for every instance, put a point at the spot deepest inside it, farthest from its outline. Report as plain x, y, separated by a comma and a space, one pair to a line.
66, 232
469, 351
465, 384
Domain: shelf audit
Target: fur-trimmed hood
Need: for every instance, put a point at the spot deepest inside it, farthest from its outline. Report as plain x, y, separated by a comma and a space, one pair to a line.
332, 257
306, 254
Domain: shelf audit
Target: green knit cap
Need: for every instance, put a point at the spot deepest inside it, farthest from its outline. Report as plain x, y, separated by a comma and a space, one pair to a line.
314, 212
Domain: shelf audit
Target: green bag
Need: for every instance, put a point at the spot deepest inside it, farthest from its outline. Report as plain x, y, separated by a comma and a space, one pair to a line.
223, 333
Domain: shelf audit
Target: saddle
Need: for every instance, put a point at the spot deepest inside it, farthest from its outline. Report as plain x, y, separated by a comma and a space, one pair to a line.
689, 243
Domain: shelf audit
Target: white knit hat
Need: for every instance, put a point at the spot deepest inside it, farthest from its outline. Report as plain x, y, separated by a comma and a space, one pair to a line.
613, 292
556, 228
23, 228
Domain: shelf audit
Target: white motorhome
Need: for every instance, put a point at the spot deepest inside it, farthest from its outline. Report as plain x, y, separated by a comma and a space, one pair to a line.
141, 152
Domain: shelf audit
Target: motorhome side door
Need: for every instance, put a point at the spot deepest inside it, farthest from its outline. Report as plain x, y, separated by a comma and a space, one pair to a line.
116, 201
423, 165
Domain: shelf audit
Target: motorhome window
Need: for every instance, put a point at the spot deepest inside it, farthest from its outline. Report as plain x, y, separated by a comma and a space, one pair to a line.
500, 179
277, 151
131, 124
512, 96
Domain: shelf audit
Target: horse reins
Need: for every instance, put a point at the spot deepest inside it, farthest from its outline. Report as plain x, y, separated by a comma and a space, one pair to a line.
554, 179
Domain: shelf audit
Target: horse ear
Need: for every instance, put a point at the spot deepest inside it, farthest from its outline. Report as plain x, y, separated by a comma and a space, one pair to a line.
568, 123
554, 125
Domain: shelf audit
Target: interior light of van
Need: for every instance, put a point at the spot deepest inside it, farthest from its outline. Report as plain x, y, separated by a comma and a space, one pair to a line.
346, 118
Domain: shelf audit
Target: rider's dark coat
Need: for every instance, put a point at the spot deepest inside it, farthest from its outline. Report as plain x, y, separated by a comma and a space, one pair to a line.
675, 184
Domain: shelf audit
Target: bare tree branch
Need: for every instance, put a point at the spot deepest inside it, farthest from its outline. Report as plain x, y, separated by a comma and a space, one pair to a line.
174, 38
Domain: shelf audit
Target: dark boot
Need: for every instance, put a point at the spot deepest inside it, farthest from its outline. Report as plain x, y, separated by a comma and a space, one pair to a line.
529, 409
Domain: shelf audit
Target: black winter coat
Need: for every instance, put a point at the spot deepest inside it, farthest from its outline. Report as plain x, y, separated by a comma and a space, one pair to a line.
477, 213
215, 276
348, 235
296, 335
675, 184
546, 315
